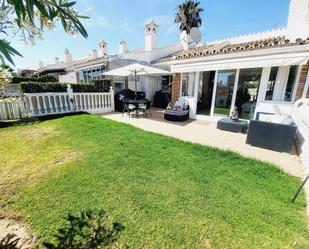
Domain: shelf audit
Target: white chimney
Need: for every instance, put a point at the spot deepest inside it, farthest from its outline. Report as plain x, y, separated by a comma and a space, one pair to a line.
67, 56
94, 54
103, 48
123, 47
184, 39
41, 64
151, 36
298, 20
57, 61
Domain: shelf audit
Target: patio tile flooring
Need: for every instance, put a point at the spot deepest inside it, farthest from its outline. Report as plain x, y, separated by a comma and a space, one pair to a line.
205, 132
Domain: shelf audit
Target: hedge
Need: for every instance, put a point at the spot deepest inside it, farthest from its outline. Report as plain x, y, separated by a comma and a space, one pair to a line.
47, 78
39, 87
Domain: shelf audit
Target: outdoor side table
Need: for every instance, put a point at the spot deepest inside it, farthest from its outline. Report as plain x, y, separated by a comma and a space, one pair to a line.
228, 124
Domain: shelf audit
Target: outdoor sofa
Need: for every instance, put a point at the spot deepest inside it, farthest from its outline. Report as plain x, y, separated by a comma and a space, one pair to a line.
179, 112
272, 131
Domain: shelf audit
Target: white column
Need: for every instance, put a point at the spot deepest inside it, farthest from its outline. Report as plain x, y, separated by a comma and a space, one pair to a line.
306, 88
281, 81
263, 84
111, 92
195, 91
262, 88
235, 90
214, 94
300, 67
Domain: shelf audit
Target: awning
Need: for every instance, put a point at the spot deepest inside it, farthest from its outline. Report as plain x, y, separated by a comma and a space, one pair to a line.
239, 63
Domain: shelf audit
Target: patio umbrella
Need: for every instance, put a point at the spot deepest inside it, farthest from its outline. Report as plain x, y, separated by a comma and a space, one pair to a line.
136, 69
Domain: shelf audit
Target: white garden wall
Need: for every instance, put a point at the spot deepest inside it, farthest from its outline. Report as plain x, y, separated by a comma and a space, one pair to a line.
41, 104
301, 118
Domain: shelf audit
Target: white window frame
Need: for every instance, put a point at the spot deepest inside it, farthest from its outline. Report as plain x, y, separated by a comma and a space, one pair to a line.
213, 101
235, 91
214, 92
181, 78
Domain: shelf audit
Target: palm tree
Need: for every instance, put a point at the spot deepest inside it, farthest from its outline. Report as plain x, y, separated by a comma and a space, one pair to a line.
188, 15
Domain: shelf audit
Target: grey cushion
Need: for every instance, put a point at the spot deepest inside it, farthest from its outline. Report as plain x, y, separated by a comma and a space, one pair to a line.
176, 113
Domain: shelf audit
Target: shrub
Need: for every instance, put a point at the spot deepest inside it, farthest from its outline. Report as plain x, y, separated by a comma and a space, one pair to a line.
17, 79
85, 230
39, 87
102, 84
46, 78
10, 242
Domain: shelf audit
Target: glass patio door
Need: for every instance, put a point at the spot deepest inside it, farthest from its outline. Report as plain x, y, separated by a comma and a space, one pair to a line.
224, 92
247, 92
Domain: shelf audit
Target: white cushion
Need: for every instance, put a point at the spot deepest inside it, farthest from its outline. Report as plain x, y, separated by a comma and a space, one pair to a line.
288, 121
278, 119
265, 117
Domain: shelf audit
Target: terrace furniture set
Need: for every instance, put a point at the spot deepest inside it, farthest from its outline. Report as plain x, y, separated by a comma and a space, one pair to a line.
269, 131
272, 131
136, 106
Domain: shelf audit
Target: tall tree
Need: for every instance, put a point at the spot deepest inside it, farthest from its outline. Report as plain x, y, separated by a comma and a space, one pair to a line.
188, 15
30, 18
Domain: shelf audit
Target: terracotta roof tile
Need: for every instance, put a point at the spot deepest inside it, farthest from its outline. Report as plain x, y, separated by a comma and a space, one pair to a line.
215, 49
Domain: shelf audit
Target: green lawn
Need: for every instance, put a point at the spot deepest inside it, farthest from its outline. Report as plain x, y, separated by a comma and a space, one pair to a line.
222, 111
167, 193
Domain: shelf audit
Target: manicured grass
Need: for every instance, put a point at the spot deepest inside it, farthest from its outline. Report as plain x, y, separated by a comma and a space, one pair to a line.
167, 193
222, 111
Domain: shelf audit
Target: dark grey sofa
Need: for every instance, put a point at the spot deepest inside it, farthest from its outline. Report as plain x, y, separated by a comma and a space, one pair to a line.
272, 136
176, 116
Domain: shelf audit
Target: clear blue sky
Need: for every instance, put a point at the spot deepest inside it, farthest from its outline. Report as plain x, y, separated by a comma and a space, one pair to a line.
116, 20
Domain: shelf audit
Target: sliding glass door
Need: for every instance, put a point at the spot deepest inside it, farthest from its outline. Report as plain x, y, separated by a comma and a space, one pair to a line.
224, 92
247, 92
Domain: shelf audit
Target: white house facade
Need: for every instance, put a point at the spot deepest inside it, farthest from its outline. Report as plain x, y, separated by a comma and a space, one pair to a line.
262, 72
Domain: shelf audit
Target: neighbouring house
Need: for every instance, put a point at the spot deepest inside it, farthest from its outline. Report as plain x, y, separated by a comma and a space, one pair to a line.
92, 66
262, 72
26, 72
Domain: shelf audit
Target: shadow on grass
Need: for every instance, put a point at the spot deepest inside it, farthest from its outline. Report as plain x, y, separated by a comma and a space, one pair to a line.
87, 229
8, 123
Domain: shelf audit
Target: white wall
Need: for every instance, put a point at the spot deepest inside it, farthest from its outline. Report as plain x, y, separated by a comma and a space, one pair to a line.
153, 84
69, 77
147, 84
298, 20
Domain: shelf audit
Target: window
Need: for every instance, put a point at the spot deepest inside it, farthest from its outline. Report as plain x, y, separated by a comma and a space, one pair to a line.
290, 84
185, 84
271, 83
119, 84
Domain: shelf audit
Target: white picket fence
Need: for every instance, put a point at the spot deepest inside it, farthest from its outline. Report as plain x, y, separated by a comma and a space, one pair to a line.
301, 118
40, 104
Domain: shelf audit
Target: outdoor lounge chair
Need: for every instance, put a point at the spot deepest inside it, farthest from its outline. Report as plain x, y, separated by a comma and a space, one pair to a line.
270, 135
180, 112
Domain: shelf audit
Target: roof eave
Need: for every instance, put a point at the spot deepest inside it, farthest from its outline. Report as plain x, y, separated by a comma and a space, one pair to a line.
240, 54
